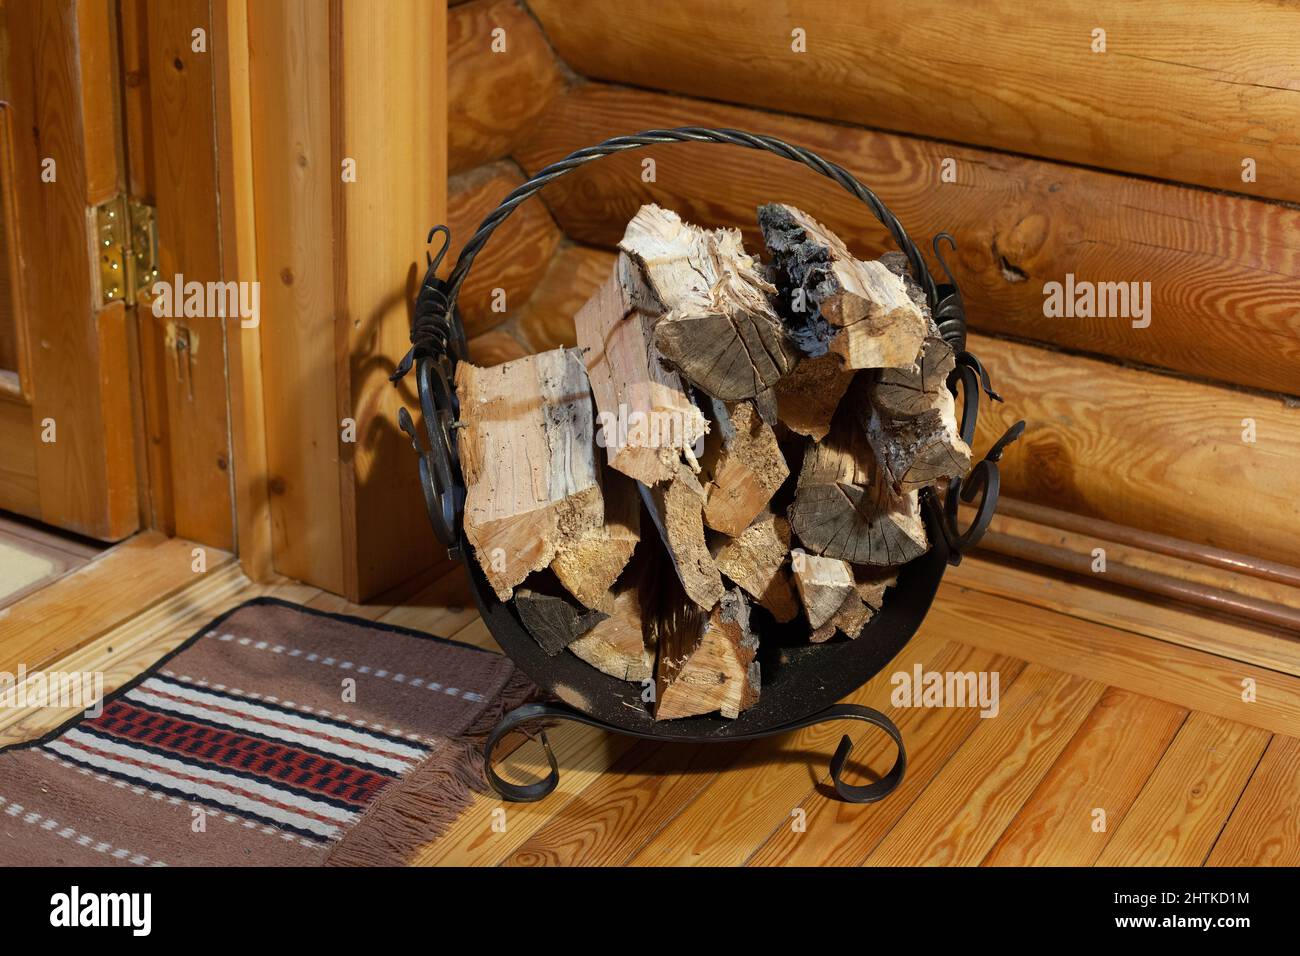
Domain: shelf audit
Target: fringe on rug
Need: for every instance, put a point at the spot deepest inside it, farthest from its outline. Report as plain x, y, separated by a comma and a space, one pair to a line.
428, 800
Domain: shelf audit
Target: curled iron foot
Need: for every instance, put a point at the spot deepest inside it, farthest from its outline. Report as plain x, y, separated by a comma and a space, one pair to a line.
532, 792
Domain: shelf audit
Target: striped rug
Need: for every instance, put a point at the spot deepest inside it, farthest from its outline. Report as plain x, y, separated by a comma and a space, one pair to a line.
277, 735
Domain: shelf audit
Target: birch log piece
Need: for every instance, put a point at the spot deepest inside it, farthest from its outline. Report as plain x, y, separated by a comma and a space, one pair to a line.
528, 455
647, 424
742, 466
857, 310
755, 560
844, 506
707, 660
677, 510
715, 321
589, 566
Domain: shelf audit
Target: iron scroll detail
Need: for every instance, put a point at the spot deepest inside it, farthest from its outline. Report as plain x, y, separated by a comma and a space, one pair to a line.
551, 713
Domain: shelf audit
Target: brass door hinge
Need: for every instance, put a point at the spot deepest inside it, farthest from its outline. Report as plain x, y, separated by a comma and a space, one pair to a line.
126, 239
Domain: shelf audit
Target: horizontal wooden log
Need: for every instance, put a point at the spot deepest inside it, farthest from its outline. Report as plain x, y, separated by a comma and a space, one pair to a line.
1183, 91
516, 257
1146, 450
1138, 448
494, 95
546, 320
1222, 269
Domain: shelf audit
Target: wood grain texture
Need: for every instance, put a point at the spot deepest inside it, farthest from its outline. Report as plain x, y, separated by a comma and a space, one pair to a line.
19, 485
1145, 450
79, 356
970, 802
738, 811
1183, 91
494, 95
1222, 268
1264, 829
289, 81
514, 259
397, 59
195, 438
1102, 768
234, 113
119, 584
1188, 678
1181, 810
1094, 600
572, 277
844, 834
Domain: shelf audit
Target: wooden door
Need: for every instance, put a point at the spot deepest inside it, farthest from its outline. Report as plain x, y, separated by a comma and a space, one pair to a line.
67, 445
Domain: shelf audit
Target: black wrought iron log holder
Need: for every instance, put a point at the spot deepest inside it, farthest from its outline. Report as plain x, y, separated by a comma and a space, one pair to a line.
809, 692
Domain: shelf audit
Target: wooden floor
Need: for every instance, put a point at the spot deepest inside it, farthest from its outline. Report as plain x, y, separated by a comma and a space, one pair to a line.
1128, 734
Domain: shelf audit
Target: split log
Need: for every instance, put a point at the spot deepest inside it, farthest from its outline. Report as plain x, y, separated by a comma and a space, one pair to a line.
824, 584
647, 422
590, 566
743, 466
910, 419
677, 509
528, 455
844, 506
715, 321
857, 310
617, 645
859, 606
755, 560
807, 397
552, 615
707, 661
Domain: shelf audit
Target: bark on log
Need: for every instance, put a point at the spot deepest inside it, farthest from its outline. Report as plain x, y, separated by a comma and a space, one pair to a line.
677, 510
857, 310
755, 560
844, 506
647, 424
552, 615
742, 466
910, 419
715, 320
706, 661
528, 456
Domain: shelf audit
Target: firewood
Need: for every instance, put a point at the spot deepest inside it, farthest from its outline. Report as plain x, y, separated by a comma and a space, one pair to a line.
590, 566
716, 323
742, 465
552, 616
911, 421
677, 509
707, 661
617, 645
824, 584
857, 310
808, 396
859, 606
528, 456
755, 560
844, 506
646, 421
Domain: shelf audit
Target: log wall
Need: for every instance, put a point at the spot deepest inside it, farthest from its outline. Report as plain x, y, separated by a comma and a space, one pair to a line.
1043, 159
